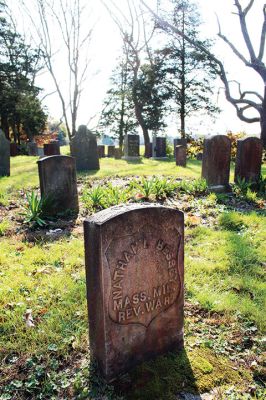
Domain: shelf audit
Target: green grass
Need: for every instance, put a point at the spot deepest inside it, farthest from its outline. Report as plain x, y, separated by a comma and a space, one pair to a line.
225, 270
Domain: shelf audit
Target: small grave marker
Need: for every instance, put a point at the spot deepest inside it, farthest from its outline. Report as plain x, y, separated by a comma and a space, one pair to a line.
248, 159
84, 149
131, 149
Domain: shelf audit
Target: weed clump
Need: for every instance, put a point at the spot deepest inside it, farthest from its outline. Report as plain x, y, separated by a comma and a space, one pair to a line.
232, 221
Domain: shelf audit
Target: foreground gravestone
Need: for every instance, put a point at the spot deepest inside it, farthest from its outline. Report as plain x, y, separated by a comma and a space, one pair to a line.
110, 151
131, 147
216, 162
134, 273
84, 149
159, 147
51, 149
101, 150
58, 183
181, 156
248, 159
4, 155
179, 142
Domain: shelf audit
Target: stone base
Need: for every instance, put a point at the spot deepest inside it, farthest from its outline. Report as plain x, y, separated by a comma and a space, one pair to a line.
131, 158
159, 158
219, 189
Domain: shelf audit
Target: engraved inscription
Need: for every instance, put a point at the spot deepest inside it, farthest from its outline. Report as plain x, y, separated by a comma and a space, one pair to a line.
144, 275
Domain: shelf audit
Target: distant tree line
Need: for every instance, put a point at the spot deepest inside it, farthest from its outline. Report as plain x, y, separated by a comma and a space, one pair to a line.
21, 112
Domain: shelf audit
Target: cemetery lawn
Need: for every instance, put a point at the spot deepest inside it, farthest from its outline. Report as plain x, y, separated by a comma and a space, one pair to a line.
43, 313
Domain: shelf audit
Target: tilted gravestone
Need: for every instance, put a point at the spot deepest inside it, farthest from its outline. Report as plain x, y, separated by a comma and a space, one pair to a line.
131, 147
4, 155
101, 150
58, 183
159, 147
110, 151
248, 159
216, 162
84, 149
179, 142
181, 156
135, 275
51, 149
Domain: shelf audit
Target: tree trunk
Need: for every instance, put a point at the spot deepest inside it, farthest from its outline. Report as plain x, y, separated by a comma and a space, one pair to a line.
183, 87
142, 124
263, 119
5, 126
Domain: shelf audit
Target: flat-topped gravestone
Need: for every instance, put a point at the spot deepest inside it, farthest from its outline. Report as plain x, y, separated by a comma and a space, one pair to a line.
135, 275
216, 162
4, 155
110, 151
131, 147
179, 142
159, 148
51, 149
248, 159
101, 150
58, 183
84, 149
181, 155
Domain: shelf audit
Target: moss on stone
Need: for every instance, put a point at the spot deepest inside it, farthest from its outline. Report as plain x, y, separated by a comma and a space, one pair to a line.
196, 371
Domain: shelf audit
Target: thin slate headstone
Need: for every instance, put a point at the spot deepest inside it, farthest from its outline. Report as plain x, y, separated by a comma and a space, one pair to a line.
181, 156
32, 149
51, 149
248, 159
58, 183
101, 150
131, 147
13, 149
179, 142
118, 154
159, 148
110, 151
216, 162
4, 155
84, 149
135, 277
148, 150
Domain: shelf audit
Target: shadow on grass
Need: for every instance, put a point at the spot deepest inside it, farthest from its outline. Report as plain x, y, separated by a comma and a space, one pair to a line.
161, 378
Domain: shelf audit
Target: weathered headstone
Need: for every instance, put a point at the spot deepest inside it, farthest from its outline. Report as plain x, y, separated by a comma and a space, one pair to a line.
101, 150
131, 147
118, 154
148, 150
32, 149
13, 149
58, 183
179, 142
248, 159
181, 155
84, 149
4, 155
110, 151
159, 147
51, 149
135, 275
216, 162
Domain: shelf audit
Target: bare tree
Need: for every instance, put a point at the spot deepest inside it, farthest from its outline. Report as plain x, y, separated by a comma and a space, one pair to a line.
133, 30
246, 100
68, 19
